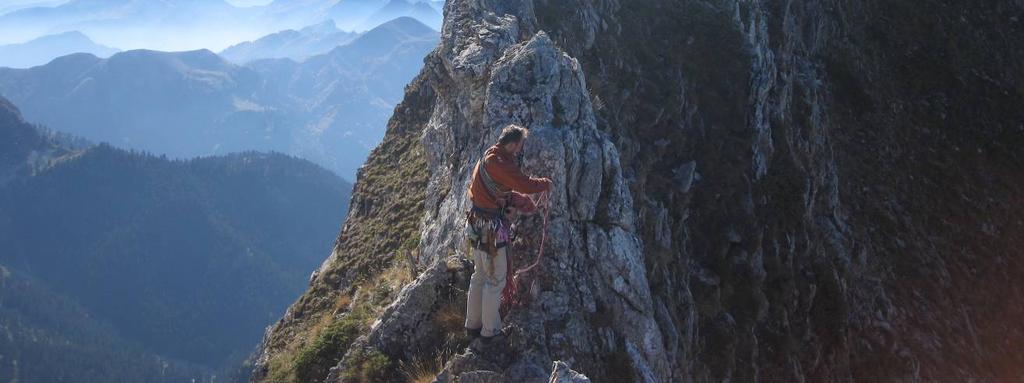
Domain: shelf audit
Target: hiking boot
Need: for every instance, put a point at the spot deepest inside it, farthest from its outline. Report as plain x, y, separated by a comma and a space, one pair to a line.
473, 332
499, 337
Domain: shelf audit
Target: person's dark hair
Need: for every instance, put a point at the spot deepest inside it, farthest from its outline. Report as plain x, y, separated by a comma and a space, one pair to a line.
511, 133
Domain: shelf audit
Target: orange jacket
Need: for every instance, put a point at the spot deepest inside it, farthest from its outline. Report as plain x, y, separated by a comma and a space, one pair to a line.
503, 170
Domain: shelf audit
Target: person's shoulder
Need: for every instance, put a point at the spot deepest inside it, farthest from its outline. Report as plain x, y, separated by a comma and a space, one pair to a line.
492, 154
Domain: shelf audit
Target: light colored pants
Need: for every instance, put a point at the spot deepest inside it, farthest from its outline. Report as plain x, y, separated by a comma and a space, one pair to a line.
484, 298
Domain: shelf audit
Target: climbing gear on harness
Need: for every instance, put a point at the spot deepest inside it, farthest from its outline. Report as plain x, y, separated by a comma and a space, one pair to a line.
485, 228
488, 231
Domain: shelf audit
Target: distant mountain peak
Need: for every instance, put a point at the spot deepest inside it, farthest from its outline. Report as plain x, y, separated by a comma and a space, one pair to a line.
66, 34
329, 23
397, 3
44, 49
297, 45
404, 8
404, 25
424, 7
324, 27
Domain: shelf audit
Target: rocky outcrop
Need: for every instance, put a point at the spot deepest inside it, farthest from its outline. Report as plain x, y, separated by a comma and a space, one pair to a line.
744, 191
594, 249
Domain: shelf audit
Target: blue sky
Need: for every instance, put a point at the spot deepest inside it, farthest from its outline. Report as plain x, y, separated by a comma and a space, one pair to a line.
246, 3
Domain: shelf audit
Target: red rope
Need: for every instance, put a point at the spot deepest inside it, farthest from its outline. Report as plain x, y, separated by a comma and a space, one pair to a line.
544, 199
510, 296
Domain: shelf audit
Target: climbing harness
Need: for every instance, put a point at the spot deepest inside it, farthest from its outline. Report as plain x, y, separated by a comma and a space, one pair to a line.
488, 233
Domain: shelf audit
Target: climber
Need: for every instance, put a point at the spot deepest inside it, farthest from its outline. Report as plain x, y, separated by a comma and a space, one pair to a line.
495, 191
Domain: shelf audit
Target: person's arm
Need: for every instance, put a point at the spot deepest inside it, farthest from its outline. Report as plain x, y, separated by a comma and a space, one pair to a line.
522, 203
508, 174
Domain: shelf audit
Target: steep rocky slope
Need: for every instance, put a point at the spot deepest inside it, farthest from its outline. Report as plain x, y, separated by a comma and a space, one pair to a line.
777, 191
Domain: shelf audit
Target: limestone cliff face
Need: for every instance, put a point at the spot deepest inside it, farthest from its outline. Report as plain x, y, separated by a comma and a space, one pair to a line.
777, 191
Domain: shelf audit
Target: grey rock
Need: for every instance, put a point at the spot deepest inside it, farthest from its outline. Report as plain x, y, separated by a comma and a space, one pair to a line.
481, 377
561, 373
684, 176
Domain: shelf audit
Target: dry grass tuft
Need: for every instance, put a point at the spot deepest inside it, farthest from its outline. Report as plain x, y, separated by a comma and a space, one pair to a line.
426, 370
450, 317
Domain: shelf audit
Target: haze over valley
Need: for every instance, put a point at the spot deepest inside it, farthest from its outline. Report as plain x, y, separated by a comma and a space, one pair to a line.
171, 172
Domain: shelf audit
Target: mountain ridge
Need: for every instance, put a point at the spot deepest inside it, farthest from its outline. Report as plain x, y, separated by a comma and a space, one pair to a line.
744, 191
194, 103
297, 45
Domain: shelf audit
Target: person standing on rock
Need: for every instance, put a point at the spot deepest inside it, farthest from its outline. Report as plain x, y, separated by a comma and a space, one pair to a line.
495, 191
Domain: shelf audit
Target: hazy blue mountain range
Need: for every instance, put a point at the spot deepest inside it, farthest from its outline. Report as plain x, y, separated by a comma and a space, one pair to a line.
129, 24
182, 259
177, 25
294, 14
294, 44
41, 50
352, 13
349, 93
365, 14
331, 108
185, 103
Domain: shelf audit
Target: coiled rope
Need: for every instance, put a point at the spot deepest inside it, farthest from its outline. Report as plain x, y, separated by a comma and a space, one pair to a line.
511, 296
